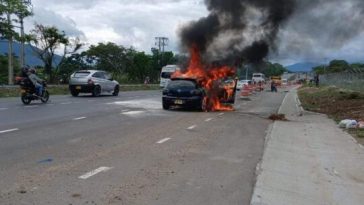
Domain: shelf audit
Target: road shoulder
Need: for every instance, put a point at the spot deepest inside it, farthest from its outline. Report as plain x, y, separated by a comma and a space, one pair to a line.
308, 160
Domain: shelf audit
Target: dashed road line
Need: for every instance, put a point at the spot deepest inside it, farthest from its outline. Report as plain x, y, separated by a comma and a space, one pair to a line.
66, 103
31, 106
124, 111
3, 108
94, 172
132, 112
79, 118
192, 127
163, 140
208, 119
10, 130
221, 114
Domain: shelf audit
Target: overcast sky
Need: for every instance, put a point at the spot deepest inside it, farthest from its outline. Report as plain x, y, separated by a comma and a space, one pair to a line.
136, 23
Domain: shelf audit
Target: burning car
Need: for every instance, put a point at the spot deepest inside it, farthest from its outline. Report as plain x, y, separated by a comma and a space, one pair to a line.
190, 93
200, 85
184, 92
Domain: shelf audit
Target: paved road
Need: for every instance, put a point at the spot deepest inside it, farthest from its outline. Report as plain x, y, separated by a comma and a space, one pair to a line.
127, 150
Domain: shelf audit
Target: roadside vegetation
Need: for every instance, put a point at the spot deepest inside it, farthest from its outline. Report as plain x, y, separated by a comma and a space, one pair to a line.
337, 103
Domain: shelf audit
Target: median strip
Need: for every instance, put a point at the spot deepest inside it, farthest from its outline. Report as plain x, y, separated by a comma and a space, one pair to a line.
94, 172
163, 140
10, 130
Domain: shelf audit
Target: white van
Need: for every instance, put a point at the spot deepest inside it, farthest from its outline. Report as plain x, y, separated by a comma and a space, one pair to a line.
166, 74
258, 77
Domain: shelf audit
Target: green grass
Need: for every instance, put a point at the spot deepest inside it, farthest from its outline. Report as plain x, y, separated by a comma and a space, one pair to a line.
63, 90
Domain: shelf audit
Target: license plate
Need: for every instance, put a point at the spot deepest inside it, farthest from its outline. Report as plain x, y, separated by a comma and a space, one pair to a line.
178, 102
78, 87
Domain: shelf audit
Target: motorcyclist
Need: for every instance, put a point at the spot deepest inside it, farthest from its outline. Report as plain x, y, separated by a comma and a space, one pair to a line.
37, 82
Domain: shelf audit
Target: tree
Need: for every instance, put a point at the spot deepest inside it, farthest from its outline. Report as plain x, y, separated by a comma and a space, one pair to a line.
111, 57
71, 64
46, 41
141, 67
319, 69
338, 66
275, 69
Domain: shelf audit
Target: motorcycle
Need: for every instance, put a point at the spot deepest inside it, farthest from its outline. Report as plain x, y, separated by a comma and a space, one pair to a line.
29, 94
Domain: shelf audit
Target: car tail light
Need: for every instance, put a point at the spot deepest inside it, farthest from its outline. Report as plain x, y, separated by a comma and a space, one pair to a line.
90, 81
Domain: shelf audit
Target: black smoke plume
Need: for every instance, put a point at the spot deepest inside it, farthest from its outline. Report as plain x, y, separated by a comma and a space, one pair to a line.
237, 30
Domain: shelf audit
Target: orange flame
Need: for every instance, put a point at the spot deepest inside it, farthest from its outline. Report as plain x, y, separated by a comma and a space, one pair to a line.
210, 78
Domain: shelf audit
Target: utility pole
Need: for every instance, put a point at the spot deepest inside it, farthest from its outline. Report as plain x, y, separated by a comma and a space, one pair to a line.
161, 42
10, 55
27, 4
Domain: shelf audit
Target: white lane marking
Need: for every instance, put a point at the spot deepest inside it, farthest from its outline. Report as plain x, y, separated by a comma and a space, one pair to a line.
31, 106
163, 140
66, 103
10, 130
132, 113
208, 119
221, 114
192, 127
91, 100
94, 172
124, 110
79, 118
3, 108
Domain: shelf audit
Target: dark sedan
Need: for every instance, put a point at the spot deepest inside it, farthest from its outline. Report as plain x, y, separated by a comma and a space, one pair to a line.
184, 93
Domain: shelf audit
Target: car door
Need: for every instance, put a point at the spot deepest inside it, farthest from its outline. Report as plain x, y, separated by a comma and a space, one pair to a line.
109, 81
100, 79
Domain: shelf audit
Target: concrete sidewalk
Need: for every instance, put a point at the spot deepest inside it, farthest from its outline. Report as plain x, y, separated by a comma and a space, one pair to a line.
308, 160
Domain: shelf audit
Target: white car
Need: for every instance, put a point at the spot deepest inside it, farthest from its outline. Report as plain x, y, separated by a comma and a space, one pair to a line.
94, 82
241, 83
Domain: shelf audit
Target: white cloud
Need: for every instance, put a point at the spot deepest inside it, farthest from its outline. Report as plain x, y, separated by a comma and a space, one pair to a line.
129, 23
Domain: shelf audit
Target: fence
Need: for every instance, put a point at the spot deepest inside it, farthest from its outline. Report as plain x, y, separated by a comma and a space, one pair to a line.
352, 81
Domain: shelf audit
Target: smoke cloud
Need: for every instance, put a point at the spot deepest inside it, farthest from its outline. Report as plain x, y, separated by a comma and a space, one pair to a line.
251, 30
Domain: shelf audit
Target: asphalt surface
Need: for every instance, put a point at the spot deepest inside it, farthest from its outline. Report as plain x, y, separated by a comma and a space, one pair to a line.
128, 150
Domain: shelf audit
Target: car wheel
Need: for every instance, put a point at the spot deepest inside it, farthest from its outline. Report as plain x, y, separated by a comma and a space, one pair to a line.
165, 106
74, 93
116, 91
97, 91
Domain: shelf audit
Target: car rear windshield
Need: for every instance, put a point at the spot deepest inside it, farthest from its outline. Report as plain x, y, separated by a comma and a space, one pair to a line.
81, 74
257, 76
181, 84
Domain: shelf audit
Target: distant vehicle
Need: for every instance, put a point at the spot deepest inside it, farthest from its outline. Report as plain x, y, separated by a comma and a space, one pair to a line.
277, 80
284, 82
166, 74
94, 82
258, 77
241, 83
184, 93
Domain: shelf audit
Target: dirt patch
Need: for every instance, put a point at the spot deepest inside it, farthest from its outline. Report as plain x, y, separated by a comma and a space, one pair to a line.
277, 117
337, 103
